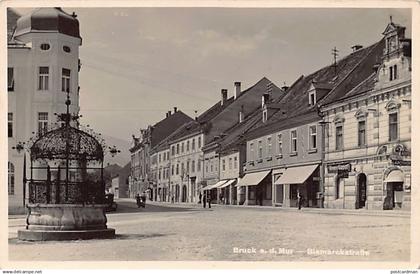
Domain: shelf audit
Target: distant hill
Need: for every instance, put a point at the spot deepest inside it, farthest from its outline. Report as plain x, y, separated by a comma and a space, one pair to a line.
121, 158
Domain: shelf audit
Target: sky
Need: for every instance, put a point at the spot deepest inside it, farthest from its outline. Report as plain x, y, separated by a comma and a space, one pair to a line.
138, 63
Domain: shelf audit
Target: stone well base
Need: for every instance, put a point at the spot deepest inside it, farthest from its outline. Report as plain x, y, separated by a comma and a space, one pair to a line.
51, 235
65, 222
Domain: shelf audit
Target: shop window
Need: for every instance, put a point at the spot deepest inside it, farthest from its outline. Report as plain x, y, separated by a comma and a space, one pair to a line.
11, 178
267, 192
10, 79
43, 78
393, 126
361, 133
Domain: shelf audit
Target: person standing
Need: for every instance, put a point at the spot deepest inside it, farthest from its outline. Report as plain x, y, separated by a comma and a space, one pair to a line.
204, 199
199, 198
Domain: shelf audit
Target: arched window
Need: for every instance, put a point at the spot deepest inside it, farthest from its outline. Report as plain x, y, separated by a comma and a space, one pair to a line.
11, 178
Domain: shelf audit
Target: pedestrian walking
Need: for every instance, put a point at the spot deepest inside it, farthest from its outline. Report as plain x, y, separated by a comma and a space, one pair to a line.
204, 200
209, 198
300, 200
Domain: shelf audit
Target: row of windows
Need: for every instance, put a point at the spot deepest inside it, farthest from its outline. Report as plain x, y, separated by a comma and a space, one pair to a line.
361, 132
210, 166
312, 134
181, 169
164, 158
43, 79
42, 123
233, 162
164, 174
185, 146
46, 46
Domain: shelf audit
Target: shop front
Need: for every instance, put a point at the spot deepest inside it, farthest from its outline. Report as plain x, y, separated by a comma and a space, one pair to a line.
255, 189
301, 179
227, 192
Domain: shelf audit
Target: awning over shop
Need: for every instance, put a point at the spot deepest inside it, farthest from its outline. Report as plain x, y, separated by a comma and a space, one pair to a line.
394, 176
207, 187
253, 179
228, 183
295, 175
219, 183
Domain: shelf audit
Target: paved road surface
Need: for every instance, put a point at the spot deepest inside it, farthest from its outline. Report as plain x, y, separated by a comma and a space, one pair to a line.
173, 232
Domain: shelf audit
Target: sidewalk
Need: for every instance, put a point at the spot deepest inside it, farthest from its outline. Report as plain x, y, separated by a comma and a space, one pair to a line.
332, 211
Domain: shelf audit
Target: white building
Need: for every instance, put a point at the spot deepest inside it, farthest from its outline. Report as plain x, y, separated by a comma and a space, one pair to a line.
43, 64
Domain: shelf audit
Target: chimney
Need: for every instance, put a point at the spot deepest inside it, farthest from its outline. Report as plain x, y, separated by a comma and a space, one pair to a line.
241, 114
237, 90
175, 109
264, 99
224, 93
356, 47
169, 113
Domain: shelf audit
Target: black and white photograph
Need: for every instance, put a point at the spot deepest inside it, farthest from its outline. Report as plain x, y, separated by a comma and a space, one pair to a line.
141, 133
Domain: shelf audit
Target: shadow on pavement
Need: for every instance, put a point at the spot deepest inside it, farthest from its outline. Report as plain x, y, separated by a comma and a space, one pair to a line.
138, 236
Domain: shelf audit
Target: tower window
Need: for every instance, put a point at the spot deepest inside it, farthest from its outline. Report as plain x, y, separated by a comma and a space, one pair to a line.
66, 49
65, 80
43, 78
10, 124
45, 46
11, 178
10, 80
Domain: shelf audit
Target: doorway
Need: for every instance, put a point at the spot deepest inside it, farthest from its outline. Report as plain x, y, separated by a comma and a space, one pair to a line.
361, 191
184, 193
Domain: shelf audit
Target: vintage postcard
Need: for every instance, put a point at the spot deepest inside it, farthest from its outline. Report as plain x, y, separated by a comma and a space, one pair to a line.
210, 133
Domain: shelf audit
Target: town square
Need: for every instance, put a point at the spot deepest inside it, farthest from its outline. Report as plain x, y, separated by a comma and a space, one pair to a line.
209, 134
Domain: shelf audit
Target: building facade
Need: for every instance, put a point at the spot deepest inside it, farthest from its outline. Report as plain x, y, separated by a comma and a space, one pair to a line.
368, 156
43, 65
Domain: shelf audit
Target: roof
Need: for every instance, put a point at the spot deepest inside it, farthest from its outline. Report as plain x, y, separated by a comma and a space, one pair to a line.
12, 18
335, 81
48, 19
249, 101
167, 126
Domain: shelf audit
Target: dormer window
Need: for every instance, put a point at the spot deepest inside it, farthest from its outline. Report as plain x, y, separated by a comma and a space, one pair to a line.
312, 98
264, 116
393, 74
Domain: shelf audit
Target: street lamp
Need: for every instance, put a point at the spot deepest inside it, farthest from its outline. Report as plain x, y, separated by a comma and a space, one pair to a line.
20, 146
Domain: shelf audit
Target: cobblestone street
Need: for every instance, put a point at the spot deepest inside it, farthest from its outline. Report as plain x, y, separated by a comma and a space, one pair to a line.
184, 232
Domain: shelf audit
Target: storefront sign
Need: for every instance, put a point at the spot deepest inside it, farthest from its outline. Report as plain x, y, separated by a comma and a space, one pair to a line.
340, 167
401, 163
